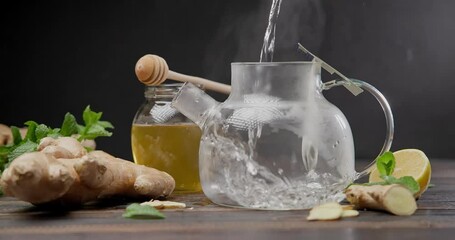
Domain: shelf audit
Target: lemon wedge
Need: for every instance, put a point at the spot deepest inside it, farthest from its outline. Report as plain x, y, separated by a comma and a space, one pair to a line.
409, 162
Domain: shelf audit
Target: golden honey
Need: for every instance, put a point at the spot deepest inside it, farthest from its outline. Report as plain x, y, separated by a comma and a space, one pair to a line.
173, 148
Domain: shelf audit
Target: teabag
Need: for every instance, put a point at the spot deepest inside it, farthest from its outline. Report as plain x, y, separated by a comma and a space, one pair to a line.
162, 112
262, 109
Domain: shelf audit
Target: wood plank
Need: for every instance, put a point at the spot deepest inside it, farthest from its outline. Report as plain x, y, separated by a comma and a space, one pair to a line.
205, 220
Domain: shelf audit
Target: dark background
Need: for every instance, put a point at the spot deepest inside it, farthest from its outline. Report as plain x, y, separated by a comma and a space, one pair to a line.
59, 56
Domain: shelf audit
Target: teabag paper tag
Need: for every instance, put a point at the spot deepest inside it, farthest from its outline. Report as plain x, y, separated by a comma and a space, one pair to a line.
348, 84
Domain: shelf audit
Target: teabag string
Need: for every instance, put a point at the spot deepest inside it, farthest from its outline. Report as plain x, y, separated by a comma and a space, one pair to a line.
346, 82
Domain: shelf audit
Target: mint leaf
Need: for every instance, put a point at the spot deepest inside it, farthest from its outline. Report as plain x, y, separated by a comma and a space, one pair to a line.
105, 124
95, 131
407, 181
138, 211
41, 132
17, 138
386, 164
25, 147
31, 131
69, 125
93, 127
54, 133
4, 151
80, 129
410, 183
90, 117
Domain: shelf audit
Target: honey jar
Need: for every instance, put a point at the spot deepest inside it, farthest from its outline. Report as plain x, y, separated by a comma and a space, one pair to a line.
165, 139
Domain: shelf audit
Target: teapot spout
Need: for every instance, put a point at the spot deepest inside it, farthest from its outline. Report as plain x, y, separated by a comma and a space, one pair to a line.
192, 102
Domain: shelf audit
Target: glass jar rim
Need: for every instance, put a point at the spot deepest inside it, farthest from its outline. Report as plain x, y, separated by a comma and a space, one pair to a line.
165, 85
162, 90
275, 63
165, 90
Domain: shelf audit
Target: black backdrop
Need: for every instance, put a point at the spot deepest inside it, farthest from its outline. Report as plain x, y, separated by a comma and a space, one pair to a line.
59, 56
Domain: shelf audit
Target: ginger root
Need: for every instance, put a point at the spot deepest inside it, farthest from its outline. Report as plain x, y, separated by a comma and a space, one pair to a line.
394, 198
62, 172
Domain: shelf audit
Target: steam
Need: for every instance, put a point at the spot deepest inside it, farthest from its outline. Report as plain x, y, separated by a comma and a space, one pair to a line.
240, 35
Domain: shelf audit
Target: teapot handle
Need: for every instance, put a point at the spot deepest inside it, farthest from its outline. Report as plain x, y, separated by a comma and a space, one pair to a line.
385, 107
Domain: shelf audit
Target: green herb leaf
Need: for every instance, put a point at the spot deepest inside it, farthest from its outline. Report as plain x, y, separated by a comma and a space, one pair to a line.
138, 211
69, 125
407, 181
31, 131
54, 133
410, 183
105, 124
41, 132
25, 147
90, 117
93, 127
95, 131
17, 138
386, 164
4, 151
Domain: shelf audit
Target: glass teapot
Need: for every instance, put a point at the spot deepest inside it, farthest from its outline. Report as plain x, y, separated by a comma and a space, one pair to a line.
276, 142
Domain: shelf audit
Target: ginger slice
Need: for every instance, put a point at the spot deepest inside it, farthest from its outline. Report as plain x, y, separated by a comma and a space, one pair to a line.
349, 213
327, 211
164, 204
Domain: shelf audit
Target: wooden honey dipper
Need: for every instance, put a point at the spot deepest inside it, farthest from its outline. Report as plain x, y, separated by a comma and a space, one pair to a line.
153, 70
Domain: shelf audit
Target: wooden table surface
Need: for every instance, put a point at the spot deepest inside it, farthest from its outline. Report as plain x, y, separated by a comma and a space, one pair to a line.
435, 219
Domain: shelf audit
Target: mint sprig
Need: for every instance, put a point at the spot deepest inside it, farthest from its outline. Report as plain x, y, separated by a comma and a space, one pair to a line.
386, 165
93, 127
